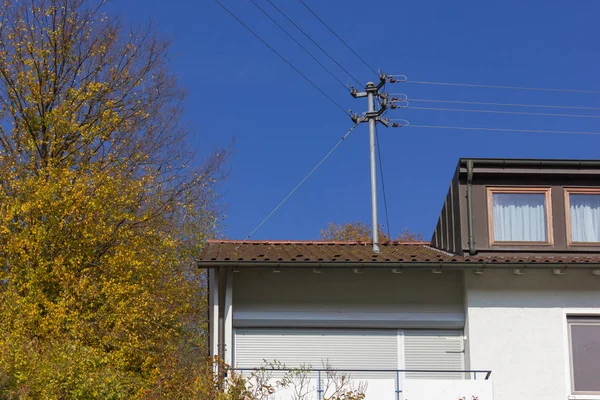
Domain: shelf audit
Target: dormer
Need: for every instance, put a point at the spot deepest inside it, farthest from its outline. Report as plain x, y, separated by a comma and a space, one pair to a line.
521, 206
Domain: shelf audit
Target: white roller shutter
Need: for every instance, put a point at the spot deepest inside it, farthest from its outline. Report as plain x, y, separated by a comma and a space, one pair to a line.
434, 350
340, 348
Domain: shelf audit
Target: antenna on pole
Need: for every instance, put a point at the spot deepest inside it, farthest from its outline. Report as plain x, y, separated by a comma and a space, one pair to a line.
371, 92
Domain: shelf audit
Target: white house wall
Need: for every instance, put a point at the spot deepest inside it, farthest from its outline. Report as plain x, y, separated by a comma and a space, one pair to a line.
517, 328
342, 298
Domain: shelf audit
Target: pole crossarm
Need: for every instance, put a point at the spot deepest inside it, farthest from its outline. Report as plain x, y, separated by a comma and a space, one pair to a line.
373, 89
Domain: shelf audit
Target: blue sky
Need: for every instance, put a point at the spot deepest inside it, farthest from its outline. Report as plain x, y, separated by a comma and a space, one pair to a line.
237, 88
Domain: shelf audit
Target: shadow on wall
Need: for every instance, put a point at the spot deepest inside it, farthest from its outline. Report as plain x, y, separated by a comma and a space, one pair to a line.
533, 289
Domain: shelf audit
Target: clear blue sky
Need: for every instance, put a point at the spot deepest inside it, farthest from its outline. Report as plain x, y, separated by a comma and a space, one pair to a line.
283, 126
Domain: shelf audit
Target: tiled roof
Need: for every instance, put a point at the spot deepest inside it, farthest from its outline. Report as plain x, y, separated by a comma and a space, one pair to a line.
319, 251
340, 252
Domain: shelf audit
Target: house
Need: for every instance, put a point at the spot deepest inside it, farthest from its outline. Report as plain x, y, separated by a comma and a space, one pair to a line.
508, 289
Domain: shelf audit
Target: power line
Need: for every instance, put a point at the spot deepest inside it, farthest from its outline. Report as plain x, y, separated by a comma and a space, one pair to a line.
286, 198
283, 58
315, 43
338, 36
299, 44
502, 104
387, 217
469, 128
499, 86
503, 112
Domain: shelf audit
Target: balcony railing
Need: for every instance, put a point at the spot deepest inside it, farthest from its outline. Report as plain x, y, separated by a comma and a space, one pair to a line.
320, 375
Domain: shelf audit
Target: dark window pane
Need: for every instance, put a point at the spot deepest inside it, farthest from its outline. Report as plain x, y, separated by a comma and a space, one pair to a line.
585, 350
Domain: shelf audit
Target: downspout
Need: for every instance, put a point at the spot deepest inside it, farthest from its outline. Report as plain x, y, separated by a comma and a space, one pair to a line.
472, 250
221, 326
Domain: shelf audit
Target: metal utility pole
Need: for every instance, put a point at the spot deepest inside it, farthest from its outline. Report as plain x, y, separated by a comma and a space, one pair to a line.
372, 117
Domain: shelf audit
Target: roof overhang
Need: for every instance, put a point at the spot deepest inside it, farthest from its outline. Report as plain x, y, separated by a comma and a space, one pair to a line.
517, 162
398, 265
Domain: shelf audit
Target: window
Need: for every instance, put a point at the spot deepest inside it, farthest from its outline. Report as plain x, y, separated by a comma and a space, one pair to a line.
583, 215
519, 215
584, 343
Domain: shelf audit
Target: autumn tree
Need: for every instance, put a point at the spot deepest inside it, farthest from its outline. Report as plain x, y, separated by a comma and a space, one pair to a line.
362, 232
101, 211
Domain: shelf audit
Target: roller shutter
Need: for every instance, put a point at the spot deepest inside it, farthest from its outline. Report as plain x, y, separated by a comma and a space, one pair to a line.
434, 350
340, 348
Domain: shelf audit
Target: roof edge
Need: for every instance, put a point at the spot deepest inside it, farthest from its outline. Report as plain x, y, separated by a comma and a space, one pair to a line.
532, 162
444, 265
320, 242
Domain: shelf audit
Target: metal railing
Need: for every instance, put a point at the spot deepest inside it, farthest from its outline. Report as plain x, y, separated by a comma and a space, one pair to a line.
398, 374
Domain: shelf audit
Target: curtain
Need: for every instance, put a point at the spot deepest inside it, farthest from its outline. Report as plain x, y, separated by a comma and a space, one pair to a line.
519, 217
585, 217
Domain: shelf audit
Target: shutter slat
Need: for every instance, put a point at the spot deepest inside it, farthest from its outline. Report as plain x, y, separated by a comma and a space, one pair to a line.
341, 349
434, 350
352, 349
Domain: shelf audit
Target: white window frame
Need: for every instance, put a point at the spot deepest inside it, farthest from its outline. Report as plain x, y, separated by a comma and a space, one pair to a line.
575, 313
579, 190
520, 190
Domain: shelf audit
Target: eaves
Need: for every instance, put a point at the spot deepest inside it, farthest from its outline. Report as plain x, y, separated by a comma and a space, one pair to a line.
452, 265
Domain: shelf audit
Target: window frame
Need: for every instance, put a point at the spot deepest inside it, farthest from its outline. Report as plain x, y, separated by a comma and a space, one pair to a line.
581, 320
567, 192
546, 191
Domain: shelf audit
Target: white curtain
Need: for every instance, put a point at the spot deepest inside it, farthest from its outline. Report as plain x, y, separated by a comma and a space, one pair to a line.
519, 217
585, 217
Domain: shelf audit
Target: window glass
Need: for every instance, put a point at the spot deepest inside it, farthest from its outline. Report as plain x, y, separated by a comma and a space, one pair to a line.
585, 355
585, 217
519, 217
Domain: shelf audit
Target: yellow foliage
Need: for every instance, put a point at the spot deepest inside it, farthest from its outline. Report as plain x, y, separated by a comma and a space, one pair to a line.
101, 216
361, 232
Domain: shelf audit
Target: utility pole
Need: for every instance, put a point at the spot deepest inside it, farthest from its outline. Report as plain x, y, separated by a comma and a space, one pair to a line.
371, 92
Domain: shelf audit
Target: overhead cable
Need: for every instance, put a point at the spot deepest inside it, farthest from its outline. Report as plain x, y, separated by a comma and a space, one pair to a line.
299, 44
315, 43
498, 86
502, 112
501, 104
471, 128
286, 198
387, 217
338, 36
283, 58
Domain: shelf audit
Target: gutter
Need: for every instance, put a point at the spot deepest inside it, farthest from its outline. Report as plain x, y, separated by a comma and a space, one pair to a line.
408, 265
532, 162
472, 250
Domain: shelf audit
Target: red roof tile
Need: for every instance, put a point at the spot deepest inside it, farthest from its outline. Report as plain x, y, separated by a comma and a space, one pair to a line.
228, 251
